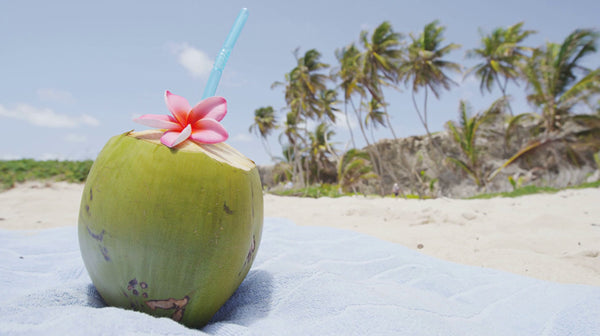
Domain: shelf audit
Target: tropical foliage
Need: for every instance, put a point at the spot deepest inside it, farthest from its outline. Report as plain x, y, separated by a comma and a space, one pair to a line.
303, 86
465, 135
18, 171
352, 168
555, 89
551, 73
426, 67
502, 57
560, 85
265, 122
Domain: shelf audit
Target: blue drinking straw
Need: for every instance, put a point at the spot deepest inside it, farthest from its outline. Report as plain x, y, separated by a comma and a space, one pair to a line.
221, 60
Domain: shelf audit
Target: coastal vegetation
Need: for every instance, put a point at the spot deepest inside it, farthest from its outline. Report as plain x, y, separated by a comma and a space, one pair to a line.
491, 150
495, 150
19, 171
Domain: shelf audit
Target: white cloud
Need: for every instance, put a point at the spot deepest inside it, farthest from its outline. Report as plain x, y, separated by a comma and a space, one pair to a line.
194, 60
46, 117
242, 137
75, 138
55, 95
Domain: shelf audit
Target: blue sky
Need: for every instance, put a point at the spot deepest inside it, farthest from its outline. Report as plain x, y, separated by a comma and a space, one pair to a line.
74, 73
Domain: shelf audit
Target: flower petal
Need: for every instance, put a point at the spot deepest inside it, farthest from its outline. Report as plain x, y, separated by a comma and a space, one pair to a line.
158, 121
173, 138
179, 107
209, 131
212, 107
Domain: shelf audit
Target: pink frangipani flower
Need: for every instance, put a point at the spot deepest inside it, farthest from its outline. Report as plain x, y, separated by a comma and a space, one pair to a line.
200, 123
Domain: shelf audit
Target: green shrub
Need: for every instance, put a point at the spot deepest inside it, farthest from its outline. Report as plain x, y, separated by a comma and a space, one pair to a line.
313, 191
19, 171
531, 189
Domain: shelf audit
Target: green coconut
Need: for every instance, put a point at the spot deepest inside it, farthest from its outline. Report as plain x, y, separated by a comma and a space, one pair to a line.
170, 232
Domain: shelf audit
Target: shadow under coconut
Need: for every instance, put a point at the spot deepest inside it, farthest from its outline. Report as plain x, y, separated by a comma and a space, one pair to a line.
250, 302
93, 297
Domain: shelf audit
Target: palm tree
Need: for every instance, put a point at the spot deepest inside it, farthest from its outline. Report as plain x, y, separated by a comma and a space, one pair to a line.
353, 167
349, 59
294, 145
501, 55
426, 67
264, 123
321, 149
290, 130
375, 116
381, 58
308, 80
351, 73
552, 77
555, 89
326, 101
465, 135
302, 85
283, 170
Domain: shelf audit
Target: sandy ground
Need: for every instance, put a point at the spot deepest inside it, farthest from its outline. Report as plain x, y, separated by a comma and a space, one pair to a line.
548, 236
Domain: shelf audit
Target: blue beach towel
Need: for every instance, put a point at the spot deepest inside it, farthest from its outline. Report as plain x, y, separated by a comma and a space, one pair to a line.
305, 281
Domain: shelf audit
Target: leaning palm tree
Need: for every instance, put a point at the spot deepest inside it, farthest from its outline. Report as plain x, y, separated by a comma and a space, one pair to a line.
426, 67
555, 89
352, 168
502, 55
552, 77
381, 58
326, 101
308, 79
265, 122
351, 73
348, 71
375, 117
302, 85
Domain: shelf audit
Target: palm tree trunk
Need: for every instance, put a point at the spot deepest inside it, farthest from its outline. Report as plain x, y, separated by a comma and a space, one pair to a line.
298, 171
348, 120
423, 119
373, 154
389, 122
373, 134
267, 148
296, 166
306, 160
503, 89
379, 99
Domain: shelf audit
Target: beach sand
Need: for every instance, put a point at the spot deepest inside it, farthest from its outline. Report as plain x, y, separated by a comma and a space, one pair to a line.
547, 236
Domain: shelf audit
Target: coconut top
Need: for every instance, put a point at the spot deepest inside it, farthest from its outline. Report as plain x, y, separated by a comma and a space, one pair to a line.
220, 151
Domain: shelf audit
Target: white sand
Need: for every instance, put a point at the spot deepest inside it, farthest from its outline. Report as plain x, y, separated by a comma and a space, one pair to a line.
548, 236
